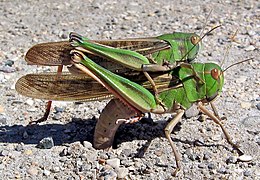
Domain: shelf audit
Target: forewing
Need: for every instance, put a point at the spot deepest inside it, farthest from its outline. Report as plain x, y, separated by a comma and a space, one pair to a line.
64, 87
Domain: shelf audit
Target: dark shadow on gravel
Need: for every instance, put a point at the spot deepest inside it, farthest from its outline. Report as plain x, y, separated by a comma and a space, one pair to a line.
83, 130
76, 130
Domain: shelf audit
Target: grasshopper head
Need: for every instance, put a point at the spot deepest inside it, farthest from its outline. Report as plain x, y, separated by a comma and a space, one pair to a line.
214, 79
184, 45
193, 44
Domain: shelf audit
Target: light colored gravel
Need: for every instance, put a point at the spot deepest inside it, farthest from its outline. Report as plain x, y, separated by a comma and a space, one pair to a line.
205, 152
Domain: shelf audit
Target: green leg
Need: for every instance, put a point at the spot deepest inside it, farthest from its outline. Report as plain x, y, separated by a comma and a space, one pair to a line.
156, 93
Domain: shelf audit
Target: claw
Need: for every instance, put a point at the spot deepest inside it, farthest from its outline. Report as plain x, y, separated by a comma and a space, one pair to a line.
76, 39
77, 56
128, 121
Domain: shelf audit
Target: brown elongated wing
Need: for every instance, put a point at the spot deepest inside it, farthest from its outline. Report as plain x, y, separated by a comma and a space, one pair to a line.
65, 87
58, 53
69, 87
143, 46
49, 54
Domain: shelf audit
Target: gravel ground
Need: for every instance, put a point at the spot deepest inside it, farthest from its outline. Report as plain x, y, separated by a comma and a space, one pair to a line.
141, 151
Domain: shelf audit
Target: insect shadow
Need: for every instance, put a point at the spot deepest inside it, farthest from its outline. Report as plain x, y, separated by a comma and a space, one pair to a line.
83, 130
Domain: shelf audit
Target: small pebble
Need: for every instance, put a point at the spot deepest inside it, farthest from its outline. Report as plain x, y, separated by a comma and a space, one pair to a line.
110, 175
2, 78
57, 116
55, 169
216, 137
250, 48
17, 101
245, 158
3, 119
202, 118
251, 33
7, 69
4, 153
211, 166
122, 173
257, 172
245, 105
231, 160
87, 144
131, 168
201, 165
32, 109
2, 109
9, 63
19, 147
46, 172
101, 161
115, 162
32, 171
63, 35
192, 111
247, 173
28, 152
222, 170
124, 27
158, 153
103, 155
29, 102
258, 106
25, 135
206, 156
46, 143
59, 109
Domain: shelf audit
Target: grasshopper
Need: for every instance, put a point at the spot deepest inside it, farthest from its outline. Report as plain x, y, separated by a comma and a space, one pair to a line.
175, 98
156, 54
165, 50
178, 92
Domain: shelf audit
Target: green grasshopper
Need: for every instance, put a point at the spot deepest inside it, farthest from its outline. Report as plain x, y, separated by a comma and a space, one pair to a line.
175, 98
181, 47
165, 50
178, 90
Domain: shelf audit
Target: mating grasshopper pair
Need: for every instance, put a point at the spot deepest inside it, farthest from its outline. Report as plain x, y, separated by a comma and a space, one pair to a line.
141, 75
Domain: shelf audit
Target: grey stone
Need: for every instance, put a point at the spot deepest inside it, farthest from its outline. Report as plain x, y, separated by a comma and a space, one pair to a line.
192, 111
46, 143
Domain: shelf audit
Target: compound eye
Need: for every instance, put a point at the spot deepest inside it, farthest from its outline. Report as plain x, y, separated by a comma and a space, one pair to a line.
195, 40
215, 73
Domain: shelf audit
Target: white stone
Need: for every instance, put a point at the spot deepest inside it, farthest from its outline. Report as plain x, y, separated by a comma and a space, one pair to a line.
115, 162
46, 172
30, 102
245, 158
245, 105
250, 48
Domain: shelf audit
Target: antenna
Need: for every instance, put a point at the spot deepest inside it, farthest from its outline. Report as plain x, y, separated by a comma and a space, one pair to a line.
225, 55
237, 63
206, 21
232, 38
